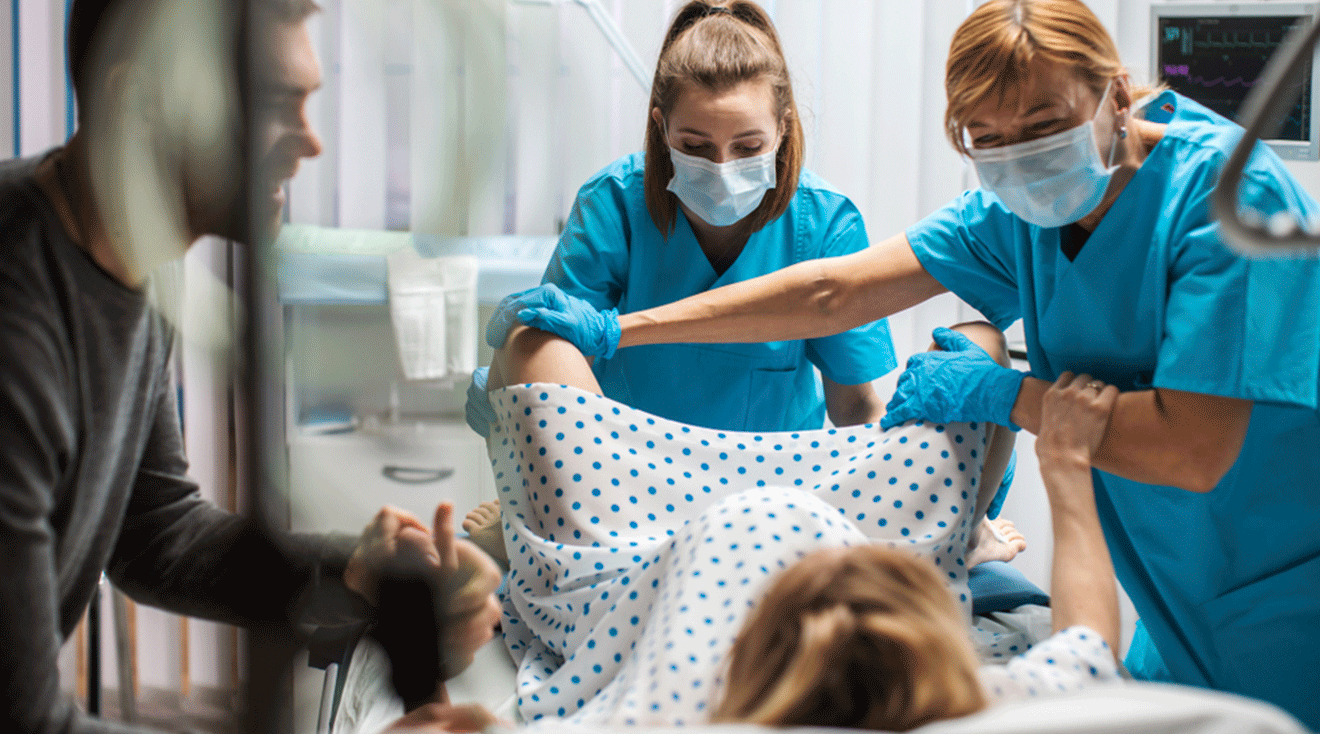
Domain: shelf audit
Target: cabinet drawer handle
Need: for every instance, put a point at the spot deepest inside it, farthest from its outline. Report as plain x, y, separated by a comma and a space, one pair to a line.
413, 475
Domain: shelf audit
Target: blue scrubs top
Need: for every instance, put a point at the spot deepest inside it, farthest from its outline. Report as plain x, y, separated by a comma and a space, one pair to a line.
612, 255
1227, 583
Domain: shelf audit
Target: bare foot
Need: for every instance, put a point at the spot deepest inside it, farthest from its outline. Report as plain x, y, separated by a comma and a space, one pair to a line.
482, 525
994, 540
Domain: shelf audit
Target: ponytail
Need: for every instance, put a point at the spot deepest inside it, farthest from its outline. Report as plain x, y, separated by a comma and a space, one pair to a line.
719, 45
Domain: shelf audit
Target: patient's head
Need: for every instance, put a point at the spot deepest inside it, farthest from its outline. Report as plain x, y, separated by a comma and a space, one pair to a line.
863, 637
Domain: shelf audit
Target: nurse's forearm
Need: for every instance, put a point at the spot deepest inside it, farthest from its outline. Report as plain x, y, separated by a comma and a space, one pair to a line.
1165, 437
811, 299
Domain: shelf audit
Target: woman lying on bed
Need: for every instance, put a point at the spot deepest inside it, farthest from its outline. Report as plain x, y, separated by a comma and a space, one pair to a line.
639, 547
866, 636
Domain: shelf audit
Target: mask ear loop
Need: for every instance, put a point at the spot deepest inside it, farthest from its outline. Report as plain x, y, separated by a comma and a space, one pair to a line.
1119, 134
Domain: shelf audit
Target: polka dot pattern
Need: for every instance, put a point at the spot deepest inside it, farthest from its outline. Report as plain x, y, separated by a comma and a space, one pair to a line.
637, 545
1070, 660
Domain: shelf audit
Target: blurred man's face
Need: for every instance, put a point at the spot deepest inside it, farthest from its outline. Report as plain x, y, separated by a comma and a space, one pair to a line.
286, 73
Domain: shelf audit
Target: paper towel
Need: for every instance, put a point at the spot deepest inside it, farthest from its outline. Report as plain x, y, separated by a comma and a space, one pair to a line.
433, 304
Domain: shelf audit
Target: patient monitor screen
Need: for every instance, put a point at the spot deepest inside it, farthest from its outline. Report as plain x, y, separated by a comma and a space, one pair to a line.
1217, 59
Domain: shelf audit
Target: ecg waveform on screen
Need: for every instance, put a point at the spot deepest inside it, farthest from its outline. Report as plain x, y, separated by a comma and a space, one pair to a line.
1171, 72
1217, 60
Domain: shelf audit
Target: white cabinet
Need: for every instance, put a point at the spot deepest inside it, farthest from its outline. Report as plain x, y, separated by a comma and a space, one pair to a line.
339, 481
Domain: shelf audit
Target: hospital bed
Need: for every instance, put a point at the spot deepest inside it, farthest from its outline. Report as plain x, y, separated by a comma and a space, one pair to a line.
1133, 708
356, 700
344, 267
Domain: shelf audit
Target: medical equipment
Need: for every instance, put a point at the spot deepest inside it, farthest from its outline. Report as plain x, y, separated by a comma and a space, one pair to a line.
1216, 53
1263, 110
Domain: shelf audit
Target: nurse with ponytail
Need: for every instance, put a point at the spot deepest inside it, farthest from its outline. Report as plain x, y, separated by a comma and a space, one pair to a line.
718, 196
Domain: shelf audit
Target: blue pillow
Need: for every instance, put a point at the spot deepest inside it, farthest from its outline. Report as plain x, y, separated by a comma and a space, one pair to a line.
998, 587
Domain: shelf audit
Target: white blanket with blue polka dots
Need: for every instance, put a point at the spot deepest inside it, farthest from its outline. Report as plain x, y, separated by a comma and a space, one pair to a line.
637, 545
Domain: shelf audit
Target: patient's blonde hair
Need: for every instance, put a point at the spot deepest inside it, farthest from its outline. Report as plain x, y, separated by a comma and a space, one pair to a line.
993, 53
863, 637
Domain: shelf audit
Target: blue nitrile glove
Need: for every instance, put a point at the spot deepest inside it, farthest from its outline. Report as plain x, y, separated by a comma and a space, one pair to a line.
1001, 494
957, 385
506, 313
480, 413
546, 307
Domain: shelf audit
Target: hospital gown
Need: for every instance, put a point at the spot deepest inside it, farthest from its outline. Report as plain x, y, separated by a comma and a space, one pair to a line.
638, 545
1070, 660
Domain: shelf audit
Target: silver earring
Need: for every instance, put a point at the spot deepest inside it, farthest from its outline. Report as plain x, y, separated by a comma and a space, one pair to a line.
1122, 131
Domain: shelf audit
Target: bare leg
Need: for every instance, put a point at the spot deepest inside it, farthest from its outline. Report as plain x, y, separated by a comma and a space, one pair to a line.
1000, 446
532, 355
985, 543
528, 355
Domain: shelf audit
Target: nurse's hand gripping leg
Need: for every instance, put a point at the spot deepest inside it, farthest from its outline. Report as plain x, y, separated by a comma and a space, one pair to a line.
594, 333
1001, 440
990, 542
1074, 415
479, 413
960, 382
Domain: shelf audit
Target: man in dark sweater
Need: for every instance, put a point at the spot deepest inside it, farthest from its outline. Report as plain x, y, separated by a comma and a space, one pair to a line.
92, 472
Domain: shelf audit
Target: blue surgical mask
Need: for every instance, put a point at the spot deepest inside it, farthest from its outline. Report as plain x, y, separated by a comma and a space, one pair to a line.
721, 193
1049, 181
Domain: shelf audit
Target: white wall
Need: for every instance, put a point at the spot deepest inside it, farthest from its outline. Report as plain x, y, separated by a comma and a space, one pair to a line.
511, 107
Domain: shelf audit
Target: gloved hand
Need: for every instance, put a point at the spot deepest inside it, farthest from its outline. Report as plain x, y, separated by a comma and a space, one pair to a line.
960, 384
480, 413
546, 307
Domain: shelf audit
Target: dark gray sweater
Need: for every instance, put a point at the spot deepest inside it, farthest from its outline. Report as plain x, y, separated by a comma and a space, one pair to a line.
92, 472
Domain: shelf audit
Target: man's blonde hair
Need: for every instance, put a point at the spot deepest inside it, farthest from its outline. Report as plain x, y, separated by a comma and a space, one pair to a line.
992, 54
864, 637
